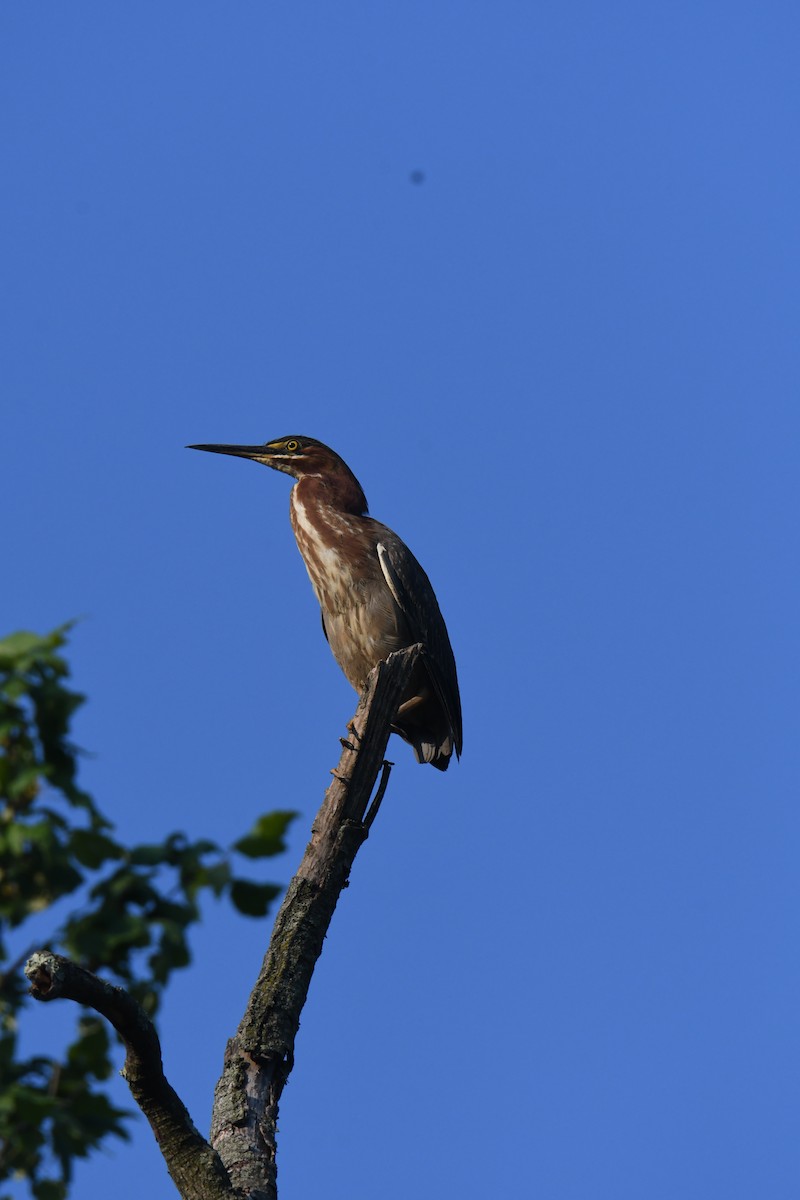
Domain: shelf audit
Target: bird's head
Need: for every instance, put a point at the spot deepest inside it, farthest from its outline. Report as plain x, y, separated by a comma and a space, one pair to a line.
300, 457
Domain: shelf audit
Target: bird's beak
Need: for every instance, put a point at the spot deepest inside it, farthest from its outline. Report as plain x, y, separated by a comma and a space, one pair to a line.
254, 452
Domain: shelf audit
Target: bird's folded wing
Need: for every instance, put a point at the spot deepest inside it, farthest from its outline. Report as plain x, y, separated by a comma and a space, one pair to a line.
416, 599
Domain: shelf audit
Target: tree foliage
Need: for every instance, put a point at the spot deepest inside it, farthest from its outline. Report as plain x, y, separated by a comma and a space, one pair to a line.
127, 909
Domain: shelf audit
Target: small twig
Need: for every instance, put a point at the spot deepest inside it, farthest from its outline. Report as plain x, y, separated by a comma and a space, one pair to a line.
372, 812
351, 728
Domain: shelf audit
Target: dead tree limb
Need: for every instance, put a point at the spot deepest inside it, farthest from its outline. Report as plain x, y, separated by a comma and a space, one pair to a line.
196, 1169
259, 1058
239, 1164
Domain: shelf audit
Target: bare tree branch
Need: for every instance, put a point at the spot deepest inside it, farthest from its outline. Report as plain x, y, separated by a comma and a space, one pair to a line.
259, 1058
196, 1169
240, 1162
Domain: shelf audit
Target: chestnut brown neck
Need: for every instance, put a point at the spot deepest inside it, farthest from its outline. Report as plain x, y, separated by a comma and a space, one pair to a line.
337, 489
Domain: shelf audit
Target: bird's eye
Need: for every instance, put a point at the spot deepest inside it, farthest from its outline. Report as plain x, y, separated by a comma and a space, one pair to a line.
292, 445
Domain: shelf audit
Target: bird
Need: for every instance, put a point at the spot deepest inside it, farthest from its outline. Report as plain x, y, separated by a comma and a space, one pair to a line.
374, 596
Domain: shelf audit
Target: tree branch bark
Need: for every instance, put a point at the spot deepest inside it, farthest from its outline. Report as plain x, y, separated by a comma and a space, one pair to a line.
260, 1056
196, 1169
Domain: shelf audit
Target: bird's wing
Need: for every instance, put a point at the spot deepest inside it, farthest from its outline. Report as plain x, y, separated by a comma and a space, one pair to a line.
416, 599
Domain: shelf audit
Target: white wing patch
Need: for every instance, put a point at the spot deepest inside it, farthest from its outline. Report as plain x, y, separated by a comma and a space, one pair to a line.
388, 574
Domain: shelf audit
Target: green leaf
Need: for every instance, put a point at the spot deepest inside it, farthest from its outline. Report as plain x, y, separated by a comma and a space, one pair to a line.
92, 849
20, 836
90, 1053
266, 838
23, 781
19, 650
171, 851
147, 855
216, 877
173, 953
253, 899
49, 1189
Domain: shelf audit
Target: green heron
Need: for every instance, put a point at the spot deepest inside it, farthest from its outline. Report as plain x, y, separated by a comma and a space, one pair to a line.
374, 595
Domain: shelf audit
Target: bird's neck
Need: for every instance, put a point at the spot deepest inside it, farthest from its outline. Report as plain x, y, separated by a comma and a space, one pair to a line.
340, 492
326, 521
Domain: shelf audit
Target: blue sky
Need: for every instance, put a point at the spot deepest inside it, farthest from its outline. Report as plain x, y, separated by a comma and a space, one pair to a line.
564, 367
